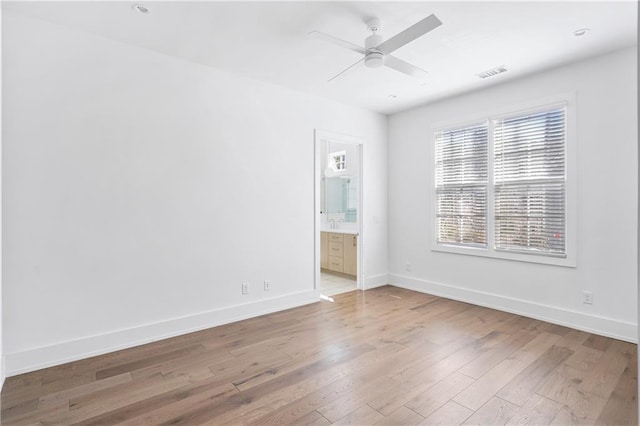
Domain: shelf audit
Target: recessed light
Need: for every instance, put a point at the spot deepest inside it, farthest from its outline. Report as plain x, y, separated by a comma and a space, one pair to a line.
581, 32
140, 8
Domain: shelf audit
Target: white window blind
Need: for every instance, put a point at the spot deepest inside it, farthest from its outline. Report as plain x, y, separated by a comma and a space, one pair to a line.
461, 186
530, 183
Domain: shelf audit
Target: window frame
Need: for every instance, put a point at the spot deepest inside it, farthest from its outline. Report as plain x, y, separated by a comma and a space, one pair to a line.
567, 100
469, 125
338, 161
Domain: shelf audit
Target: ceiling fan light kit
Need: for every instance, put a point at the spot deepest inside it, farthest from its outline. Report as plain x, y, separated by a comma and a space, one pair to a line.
377, 51
374, 60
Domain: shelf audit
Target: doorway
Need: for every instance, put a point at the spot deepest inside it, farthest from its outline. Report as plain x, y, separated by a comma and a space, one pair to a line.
338, 213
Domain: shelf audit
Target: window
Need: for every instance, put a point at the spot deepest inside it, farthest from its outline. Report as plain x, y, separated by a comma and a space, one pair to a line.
501, 185
529, 182
461, 185
338, 161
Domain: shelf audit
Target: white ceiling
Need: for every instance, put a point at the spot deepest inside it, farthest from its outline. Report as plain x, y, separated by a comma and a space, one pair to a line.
269, 40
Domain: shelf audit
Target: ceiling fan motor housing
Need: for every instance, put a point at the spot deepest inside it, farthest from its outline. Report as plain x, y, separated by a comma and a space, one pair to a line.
373, 41
374, 58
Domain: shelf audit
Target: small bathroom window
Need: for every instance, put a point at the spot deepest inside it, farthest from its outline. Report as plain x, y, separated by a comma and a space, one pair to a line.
338, 161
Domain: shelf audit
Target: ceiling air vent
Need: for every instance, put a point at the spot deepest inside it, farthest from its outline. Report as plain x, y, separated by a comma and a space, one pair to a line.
492, 72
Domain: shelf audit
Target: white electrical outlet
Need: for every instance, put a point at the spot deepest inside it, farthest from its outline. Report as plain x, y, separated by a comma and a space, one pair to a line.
407, 267
267, 285
587, 297
245, 288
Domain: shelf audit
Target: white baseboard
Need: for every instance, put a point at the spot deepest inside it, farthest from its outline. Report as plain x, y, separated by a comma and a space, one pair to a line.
376, 281
60, 353
609, 327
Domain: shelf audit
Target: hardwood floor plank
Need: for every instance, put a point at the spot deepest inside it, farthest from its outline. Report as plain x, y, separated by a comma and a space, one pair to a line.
160, 414
340, 407
401, 417
83, 408
495, 412
362, 373
583, 359
497, 354
574, 340
64, 396
607, 371
558, 329
622, 406
308, 364
485, 387
384, 356
563, 387
137, 364
565, 417
538, 410
408, 372
600, 343
247, 397
244, 368
391, 401
523, 386
72, 380
449, 414
313, 419
40, 416
20, 409
364, 415
435, 397
274, 404
452, 362
165, 406
197, 361
587, 389
431, 369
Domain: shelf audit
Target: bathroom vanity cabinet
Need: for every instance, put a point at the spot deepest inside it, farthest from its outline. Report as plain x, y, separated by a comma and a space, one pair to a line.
338, 252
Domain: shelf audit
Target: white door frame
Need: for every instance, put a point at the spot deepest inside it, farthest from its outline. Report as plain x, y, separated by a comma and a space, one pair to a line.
320, 137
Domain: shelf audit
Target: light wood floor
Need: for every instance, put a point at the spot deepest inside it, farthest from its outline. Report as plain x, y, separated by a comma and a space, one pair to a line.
387, 356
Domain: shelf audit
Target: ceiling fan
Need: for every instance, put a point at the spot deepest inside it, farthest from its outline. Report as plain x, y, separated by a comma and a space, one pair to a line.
377, 51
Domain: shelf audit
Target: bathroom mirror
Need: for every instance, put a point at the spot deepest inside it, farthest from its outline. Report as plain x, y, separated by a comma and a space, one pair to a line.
341, 197
339, 184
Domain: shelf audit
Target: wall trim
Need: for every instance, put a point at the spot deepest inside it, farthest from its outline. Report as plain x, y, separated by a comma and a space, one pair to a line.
60, 353
604, 326
376, 281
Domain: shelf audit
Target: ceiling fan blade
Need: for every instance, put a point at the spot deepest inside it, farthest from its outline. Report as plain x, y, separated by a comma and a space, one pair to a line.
345, 70
429, 23
405, 67
338, 41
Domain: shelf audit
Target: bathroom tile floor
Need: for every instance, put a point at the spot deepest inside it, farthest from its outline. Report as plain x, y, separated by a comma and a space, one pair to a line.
334, 284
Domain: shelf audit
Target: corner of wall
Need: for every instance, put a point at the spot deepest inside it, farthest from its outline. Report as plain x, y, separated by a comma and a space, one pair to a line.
2, 371
376, 281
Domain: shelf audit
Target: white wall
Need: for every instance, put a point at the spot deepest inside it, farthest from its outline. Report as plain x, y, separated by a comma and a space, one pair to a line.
140, 191
606, 94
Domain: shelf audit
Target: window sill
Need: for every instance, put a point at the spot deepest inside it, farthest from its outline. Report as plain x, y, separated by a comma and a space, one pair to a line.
568, 262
